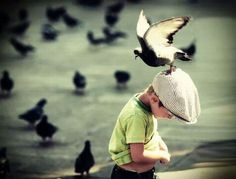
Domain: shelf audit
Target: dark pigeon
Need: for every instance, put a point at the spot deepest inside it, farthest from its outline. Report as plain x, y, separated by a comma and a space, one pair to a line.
111, 19
79, 81
20, 28
7, 82
23, 14
45, 129
85, 160
54, 14
34, 114
70, 21
90, 3
156, 41
122, 77
95, 40
191, 49
4, 162
111, 36
20, 47
49, 32
4, 21
116, 7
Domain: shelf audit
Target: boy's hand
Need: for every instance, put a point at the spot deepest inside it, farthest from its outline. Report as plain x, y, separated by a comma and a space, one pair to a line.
166, 158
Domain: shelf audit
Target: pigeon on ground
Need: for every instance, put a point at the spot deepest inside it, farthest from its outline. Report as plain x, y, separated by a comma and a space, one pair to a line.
23, 14
4, 162
79, 81
20, 47
70, 21
85, 160
95, 40
4, 20
116, 7
54, 14
111, 19
113, 35
7, 82
20, 28
191, 49
45, 129
49, 32
34, 114
122, 77
90, 3
156, 41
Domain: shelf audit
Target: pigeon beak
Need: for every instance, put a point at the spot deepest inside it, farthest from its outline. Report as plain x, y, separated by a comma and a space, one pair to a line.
136, 56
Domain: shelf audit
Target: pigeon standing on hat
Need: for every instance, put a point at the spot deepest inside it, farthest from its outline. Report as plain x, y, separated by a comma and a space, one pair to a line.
156, 41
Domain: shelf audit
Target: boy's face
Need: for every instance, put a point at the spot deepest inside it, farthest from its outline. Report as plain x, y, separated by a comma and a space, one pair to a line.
158, 110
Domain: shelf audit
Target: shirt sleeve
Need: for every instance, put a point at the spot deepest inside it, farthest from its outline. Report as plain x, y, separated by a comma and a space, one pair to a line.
135, 129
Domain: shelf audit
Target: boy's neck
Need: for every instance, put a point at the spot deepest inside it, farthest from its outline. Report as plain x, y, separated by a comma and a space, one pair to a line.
144, 98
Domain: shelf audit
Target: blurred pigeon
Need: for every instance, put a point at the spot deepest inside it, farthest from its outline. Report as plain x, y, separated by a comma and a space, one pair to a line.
49, 32
7, 82
134, 1
113, 35
4, 20
54, 14
4, 162
70, 21
191, 49
156, 41
93, 40
23, 14
90, 3
45, 129
34, 114
85, 160
116, 7
20, 47
111, 19
122, 77
20, 28
79, 81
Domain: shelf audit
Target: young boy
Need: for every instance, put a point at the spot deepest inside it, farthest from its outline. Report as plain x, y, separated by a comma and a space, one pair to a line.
135, 144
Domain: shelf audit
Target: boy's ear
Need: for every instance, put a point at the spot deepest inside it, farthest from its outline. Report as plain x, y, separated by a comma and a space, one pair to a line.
153, 98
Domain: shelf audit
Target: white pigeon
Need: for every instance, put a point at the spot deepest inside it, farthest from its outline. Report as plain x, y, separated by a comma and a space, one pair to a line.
156, 41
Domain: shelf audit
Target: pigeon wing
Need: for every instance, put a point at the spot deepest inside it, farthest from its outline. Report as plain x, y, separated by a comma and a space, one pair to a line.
142, 26
162, 33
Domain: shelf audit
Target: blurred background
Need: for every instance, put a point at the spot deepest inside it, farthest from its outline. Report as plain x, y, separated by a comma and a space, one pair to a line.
66, 53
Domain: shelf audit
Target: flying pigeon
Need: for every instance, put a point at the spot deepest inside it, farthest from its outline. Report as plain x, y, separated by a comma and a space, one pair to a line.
45, 129
7, 82
85, 160
156, 41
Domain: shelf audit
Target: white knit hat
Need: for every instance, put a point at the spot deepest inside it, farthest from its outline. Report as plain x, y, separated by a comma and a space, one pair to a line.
178, 94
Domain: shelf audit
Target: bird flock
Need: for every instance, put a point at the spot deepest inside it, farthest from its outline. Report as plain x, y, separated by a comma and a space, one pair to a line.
154, 39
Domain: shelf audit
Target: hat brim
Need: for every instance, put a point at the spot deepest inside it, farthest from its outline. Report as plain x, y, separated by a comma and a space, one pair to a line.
181, 119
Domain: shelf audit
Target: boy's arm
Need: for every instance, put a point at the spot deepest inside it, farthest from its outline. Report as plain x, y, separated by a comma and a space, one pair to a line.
140, 155
162, 145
